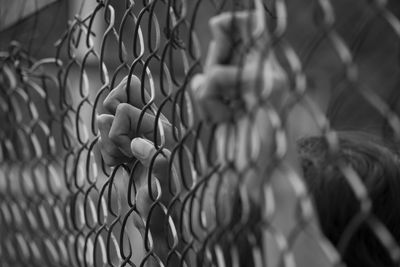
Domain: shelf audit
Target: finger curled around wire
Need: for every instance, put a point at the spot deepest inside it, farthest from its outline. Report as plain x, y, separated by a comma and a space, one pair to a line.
158, 160
131, 122
144, 150
120, 95
232, 30
110, 152
240, 24
220, 92
224, 92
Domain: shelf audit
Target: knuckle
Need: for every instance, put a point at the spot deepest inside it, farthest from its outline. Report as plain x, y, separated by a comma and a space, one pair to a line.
215, 73
104, 121
123, 108
217, 21
214, 21
211, 78
114, 136
109, 103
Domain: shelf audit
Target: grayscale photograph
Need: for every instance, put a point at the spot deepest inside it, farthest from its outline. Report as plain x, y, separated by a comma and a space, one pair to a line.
200, 133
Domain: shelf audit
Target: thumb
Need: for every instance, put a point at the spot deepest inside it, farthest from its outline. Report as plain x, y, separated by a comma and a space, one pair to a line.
159, 161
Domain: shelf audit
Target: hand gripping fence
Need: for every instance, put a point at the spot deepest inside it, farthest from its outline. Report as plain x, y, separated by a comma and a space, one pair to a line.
61, 205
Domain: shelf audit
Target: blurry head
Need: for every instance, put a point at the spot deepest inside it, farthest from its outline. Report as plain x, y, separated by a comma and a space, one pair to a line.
379, 169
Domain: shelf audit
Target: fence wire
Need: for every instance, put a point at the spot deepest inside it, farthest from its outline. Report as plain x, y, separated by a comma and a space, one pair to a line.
219, 201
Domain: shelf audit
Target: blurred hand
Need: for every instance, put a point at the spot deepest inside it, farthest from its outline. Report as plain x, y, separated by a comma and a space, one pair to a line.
240, 69
228, 89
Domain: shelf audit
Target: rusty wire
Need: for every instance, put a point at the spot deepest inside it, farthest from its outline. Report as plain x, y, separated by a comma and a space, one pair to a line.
60, 205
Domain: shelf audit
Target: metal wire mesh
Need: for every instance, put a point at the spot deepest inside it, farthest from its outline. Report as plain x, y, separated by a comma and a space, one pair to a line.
61, 205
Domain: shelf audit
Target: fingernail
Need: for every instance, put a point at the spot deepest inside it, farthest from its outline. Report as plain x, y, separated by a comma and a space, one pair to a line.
104, 121
141, 148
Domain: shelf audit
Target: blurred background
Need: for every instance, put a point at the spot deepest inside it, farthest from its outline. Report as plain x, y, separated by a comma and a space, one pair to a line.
38, 25
38, 29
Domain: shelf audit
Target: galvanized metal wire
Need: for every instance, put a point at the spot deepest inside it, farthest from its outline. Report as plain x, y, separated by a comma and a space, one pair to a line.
61, 205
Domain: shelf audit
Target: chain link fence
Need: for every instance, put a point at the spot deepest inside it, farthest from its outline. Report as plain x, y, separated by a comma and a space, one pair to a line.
223, 199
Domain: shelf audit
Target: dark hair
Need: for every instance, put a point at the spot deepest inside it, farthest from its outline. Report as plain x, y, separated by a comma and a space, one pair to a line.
378, 166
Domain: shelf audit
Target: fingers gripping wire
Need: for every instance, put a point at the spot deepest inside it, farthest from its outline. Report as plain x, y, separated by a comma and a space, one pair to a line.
177, 192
